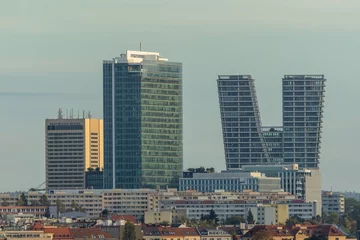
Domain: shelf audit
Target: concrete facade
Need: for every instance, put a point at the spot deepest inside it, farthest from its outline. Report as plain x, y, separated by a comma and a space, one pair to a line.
230, 181
72, 146
333, 203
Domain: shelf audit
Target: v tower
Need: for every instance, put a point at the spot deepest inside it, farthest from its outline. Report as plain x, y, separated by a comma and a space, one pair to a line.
298, 141
143, 129
303, 106
241, 124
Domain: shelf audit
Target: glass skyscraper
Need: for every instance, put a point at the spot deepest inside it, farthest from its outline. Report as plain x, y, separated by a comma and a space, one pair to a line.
303, 103
241, 123
298, 141
143, 129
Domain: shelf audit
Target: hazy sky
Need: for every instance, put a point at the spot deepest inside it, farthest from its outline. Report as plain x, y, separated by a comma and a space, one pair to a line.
51, 56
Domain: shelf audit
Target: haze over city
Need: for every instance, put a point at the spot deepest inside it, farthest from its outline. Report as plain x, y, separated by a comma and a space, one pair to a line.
52, 52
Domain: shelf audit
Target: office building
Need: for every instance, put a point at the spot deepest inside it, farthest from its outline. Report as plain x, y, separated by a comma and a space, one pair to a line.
72, 147
304, 183
240, 120
143, 130
333, 203
303, 104
230, 181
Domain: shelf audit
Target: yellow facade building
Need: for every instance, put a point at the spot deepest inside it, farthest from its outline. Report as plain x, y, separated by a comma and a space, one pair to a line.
72, 147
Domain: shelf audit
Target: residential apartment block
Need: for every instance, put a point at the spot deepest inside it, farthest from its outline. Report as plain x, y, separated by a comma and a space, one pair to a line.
270, 214
333, 203
298, 141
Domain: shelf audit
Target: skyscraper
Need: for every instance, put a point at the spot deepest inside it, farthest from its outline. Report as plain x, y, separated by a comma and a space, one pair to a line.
303, 103
241, 123
72, 147
298, 141
143, 129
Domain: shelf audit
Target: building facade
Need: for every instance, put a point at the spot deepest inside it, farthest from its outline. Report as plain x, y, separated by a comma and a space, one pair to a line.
229, 181
94, 179
143, 130
333, 203
274, 143
227, 208
304, 183
72, 147
303, 104
270, 214
240, 120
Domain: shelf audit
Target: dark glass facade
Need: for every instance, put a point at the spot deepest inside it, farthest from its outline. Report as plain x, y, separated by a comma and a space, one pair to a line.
142, 123
94, 179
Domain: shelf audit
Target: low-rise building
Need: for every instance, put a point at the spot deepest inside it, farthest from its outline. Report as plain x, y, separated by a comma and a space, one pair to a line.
170, 233
227, 208
270, 214
169, 216
330, 232
28, 235
304, 183
90, 233
333, 203
37, 211
229, 181
211, 234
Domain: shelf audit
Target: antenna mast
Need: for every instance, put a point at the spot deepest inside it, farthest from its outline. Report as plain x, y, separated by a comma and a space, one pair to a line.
60, 116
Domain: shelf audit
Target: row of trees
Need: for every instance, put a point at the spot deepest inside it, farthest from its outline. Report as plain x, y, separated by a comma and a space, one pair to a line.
202, 170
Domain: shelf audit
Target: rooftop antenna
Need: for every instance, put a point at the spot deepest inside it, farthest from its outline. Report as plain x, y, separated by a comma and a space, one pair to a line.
140, 46
89, 114
83, 113
78, 114
60, 116
67, 111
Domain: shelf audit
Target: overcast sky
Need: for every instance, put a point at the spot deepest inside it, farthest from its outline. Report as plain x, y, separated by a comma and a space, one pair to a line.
51, 56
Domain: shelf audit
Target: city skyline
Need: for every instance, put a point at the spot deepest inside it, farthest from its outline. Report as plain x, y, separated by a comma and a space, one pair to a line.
49, 63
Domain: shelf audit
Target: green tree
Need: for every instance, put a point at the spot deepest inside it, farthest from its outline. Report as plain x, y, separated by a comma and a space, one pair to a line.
43, 201
165, 223
262, 235
104, 213
250, 217
22, 200
294, 220
129, 232
60, 206
234, 220
5, 202
47, 212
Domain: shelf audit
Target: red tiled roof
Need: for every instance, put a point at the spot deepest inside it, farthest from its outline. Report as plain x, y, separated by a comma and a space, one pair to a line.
171, 231
59, 233
130, 218
90, 233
